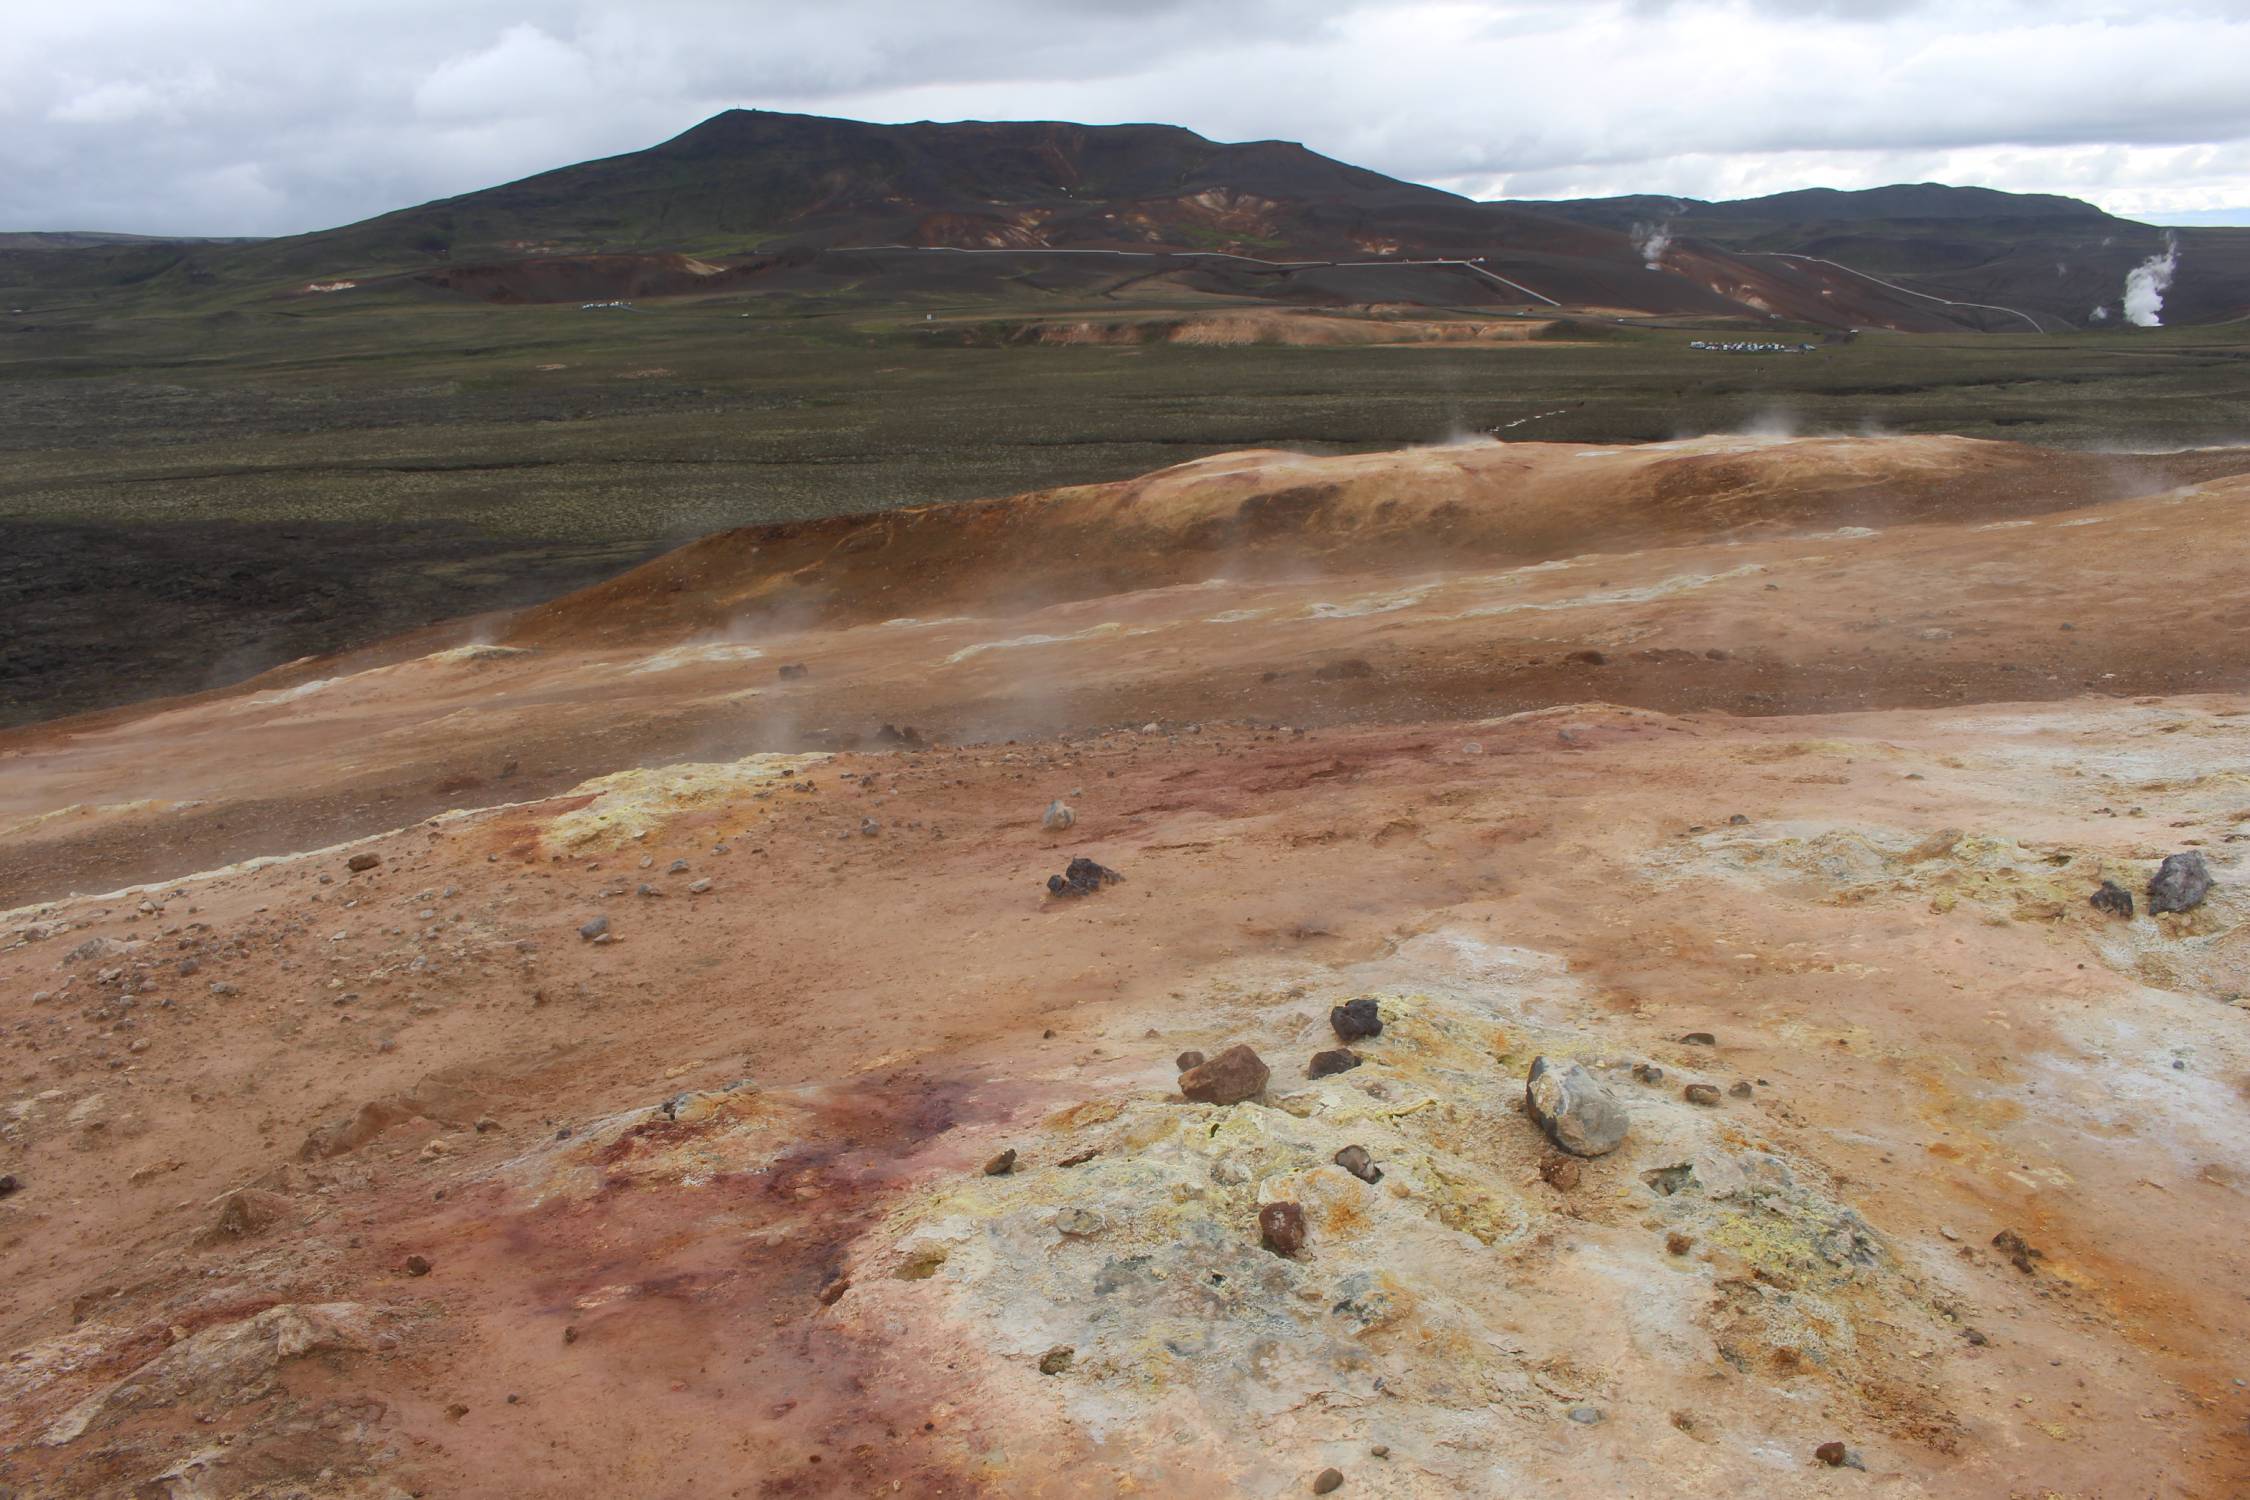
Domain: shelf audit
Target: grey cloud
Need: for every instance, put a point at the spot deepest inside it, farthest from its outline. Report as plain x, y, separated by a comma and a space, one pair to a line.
271, 117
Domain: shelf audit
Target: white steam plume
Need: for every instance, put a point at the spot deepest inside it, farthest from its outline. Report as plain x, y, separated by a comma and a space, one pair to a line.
1652, 240
2100, 314
2146, 284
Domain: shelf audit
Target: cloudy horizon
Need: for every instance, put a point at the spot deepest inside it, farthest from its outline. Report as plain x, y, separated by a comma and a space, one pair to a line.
249, 117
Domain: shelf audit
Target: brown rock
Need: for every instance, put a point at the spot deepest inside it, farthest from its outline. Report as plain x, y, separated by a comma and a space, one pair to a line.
417, 1265
1355, 1160
1282, 1226
1334, 1060
365, 860
1057, 1359
1704, 1094
1740, 1088
1560, 1172
1355, 1019
1831, 1454
833, 1293
1001, 1165
1188, 1059
247, 1211
1233, 1076
1700, 1039
1327, 1481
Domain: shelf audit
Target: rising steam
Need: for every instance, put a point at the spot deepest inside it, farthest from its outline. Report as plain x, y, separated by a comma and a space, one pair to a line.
1652, 240
2146, 284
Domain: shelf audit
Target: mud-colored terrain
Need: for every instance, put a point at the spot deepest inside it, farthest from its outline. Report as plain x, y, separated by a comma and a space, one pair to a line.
624, 1123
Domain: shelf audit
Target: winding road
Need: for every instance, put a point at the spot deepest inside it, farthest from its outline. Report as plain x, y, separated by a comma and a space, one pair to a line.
1894, 286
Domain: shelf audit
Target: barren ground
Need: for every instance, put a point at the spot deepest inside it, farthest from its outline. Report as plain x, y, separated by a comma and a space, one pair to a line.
339, 1182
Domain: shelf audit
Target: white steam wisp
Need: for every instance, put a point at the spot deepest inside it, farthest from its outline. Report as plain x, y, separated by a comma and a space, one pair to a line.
1652, 240
2146, 284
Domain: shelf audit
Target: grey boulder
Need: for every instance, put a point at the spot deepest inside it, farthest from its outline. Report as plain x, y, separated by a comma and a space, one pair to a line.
1574, 1109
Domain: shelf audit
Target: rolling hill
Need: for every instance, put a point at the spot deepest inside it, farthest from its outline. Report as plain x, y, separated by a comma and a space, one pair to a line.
2056, 258
752, 201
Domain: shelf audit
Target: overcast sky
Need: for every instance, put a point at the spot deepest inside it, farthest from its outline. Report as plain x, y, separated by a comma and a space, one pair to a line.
274, 116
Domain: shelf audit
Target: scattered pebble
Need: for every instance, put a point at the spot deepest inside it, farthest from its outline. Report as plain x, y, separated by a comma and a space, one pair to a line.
1334, 1060
2112, 898
1704, 1094
2180, 883
1057, 817
366, 859
1282, 1227
1233, 1076
598, 927
1083, 877
1355, 1160
1001, 1165
1355, 1019
1586, 1416
1057, 1359
1327, 1481
1700, 1039
1188, 1059
417, 1265
1831, 1454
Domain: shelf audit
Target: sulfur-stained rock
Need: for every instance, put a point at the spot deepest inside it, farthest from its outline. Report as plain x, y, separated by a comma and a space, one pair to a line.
1233, 1076
2180, 883
1574, 1109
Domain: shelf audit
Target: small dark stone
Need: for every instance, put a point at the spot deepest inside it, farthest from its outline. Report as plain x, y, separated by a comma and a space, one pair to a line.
1233, 1076
1355, 1160
1334, 1060
1831, 1454
1327, 1481
570, 1334
365, 860
1702, 1093
1740, 1088
2019, 1251
1188, 1059
1738, 820
1647, 1073
417, 1265
1677, 1243
594, 929
794, 669
8, 1184
1976, 1337
833, 1293
1001, 1165
1700, 1039
1082, 877
1079, 1159
2180, 883
1355, 1019
1282, 1226
1057, 1359
1560, 1172
2112, 898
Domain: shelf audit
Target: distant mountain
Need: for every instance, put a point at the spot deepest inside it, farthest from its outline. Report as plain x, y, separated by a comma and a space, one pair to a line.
752, 201
2058, 259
